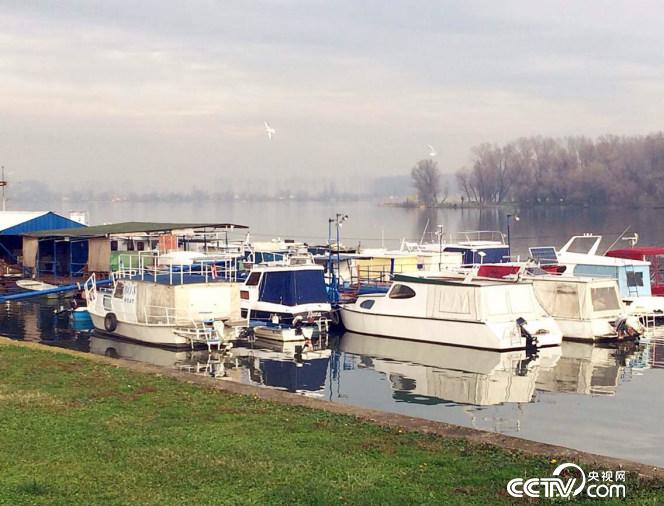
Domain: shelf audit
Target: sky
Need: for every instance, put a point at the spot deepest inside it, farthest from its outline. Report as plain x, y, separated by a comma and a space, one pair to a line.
163, 95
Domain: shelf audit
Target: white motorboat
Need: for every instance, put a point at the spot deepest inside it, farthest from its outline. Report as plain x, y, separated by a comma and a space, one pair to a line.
584, 308
455, 310
284, 333
168, 305
579, 257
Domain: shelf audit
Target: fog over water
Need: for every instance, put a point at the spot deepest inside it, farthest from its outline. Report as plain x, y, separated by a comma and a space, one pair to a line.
371, 224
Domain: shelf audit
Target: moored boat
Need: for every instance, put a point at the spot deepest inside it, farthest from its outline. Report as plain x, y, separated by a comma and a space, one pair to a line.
285, 302
455, 310
168, 305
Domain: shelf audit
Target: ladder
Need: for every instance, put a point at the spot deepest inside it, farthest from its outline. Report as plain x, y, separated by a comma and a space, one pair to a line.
632, 288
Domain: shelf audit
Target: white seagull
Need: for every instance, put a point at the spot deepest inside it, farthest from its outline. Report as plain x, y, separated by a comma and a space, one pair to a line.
270, 131
432, 151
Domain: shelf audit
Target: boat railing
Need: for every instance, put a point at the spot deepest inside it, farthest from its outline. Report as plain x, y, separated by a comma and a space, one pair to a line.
151, 266
90, 289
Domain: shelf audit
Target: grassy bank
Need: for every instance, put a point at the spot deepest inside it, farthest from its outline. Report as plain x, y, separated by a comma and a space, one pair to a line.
77, 432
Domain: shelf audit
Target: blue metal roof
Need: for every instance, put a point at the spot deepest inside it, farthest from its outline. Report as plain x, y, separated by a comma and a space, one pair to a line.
46, 221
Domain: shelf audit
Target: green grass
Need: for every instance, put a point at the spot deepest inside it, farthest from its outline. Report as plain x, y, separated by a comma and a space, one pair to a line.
76, 432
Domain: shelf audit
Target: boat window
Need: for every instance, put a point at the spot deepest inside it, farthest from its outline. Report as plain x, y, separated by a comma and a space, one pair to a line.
605, 298
634, 278
367, 304
253, 279
119, 290
659, 266
559, 299
114, 245
140, 246
401, 292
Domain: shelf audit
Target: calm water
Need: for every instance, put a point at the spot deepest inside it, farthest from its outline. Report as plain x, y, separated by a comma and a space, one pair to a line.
605, 400
371, 224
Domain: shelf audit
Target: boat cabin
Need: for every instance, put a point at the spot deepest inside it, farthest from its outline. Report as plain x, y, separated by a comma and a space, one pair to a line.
579, 258
284, 291
654, 255
455, 299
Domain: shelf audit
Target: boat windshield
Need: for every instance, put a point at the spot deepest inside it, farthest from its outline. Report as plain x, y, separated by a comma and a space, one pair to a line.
605, 298
293, 287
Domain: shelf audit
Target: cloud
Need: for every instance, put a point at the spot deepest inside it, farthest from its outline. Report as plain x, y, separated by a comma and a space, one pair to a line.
123, 90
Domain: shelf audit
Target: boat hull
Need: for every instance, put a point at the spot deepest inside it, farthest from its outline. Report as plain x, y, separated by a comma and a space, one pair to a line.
163, 335
285, 334
471, 334
596, 329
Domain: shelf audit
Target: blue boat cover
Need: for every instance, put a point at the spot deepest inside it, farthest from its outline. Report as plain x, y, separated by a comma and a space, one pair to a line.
293, 287
494, 254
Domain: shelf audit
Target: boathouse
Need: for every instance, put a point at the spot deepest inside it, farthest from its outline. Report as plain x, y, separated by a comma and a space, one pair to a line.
15, 224
78, 251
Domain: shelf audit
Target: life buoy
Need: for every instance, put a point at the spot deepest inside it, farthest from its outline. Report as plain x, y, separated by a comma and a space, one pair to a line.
110, 322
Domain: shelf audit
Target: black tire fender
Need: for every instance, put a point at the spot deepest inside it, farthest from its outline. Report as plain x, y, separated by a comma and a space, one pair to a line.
110, 322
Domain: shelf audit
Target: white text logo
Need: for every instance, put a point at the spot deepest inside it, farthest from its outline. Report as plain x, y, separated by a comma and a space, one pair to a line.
573, 483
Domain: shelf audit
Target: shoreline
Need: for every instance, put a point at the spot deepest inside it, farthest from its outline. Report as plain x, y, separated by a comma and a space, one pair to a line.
380, 418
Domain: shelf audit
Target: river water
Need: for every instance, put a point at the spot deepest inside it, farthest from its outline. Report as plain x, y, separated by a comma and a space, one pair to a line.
602, 399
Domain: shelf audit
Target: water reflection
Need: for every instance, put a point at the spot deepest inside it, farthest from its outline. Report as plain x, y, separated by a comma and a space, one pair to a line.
432, 374
264, 363
588, 369
46, 321
578, 395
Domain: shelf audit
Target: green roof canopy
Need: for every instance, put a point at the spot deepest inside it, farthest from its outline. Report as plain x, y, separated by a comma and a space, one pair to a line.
131, 227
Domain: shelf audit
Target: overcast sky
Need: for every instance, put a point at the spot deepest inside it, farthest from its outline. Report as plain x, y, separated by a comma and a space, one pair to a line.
167, 94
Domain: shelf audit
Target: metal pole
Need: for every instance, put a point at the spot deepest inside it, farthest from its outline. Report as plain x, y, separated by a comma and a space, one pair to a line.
338, 254
509, 239
440, 245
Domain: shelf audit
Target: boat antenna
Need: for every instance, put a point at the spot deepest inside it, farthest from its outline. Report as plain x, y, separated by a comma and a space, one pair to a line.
423, 232
617, 239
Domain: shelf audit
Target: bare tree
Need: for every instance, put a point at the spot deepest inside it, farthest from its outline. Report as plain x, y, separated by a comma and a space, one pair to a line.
573, 170
426, 179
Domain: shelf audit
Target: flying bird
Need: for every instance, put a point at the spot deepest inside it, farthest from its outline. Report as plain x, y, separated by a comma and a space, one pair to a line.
432, 151
269, 130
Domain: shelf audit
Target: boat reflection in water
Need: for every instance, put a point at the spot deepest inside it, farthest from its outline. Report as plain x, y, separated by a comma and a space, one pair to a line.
587, 369
287, 366
425, 373
199, 361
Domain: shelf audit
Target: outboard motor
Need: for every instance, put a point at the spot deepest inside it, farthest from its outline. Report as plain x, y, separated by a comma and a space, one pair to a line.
531, 341
628, 326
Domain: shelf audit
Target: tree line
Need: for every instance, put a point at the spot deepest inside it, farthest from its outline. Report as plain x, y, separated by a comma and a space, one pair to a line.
572, 170
543, 171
